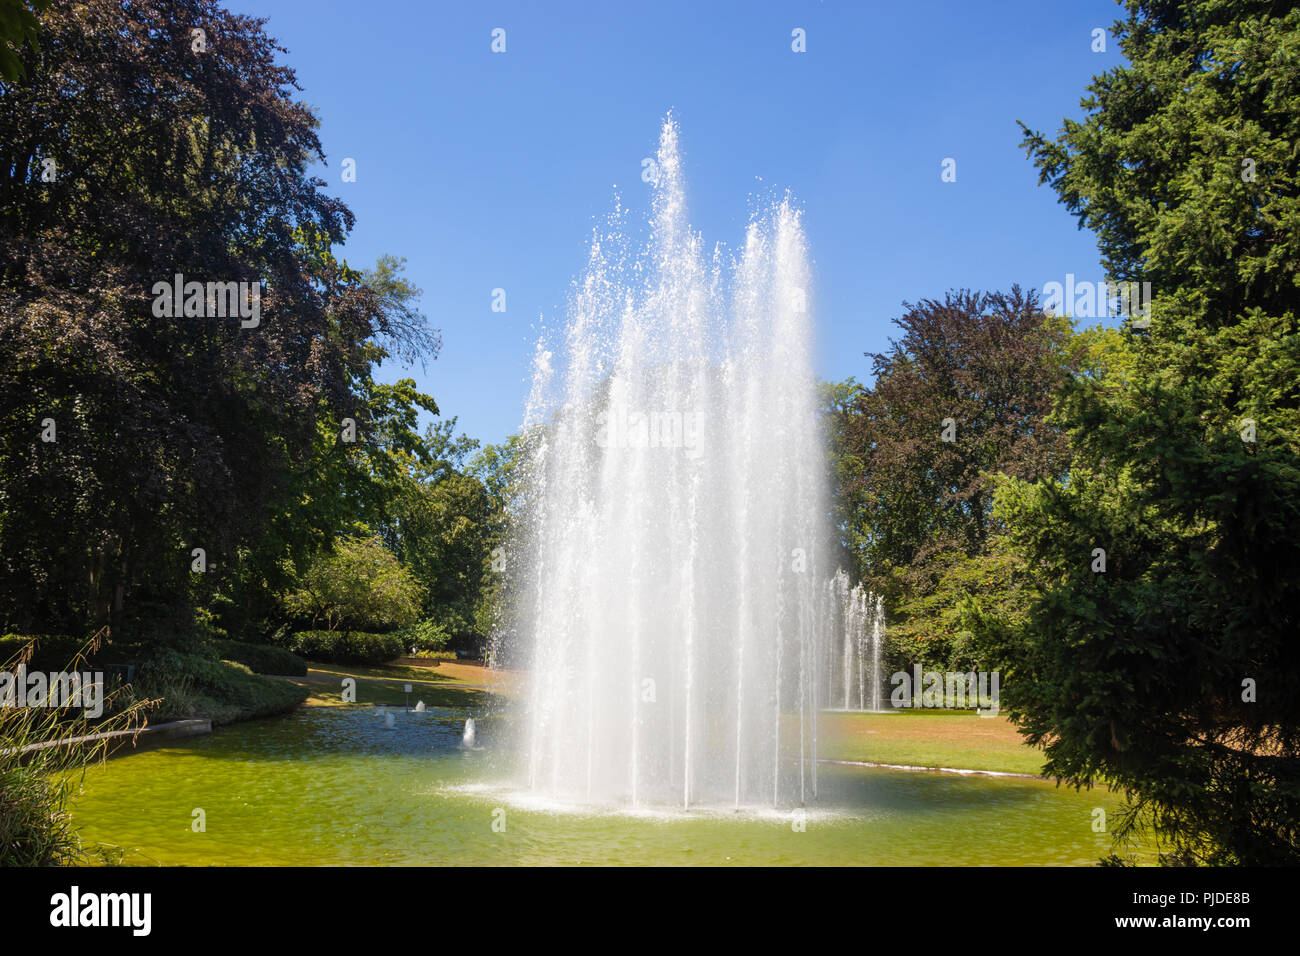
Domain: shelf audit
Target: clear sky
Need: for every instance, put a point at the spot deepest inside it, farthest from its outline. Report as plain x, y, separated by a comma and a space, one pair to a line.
488, 170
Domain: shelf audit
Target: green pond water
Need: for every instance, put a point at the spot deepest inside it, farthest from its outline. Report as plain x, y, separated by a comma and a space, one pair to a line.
335, 786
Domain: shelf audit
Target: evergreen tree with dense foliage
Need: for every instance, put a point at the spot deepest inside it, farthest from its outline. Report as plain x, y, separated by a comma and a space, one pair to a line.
1161, 650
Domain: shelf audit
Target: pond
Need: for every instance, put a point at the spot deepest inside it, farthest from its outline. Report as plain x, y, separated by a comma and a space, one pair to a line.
336, 786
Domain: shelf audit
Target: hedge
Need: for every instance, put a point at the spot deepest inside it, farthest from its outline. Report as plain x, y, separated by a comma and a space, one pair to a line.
262, 658
347, 647
435, 655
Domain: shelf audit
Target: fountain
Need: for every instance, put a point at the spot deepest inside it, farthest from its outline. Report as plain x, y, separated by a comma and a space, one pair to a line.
675, 522
419, 706
468, 737
861, 629
877, 639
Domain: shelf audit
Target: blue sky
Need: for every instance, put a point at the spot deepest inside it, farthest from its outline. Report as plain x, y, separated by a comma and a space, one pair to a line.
489, 170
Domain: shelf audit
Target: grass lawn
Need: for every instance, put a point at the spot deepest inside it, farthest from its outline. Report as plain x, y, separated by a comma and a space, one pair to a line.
914, 738
929, 738
450, 684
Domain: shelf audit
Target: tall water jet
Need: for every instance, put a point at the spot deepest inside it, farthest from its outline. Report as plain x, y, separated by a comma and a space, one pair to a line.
853, 676
674, 521
877, 640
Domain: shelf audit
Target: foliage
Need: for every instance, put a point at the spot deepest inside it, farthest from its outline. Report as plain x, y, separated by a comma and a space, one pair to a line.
450, 527
989, 362
347, 647
35, 828
426, 637
500, 469
187, 686
931, 602
262, 658
43, 651
1174, 673
344, 485
963, 396
838, 404
190, 432
18, 27
357, 583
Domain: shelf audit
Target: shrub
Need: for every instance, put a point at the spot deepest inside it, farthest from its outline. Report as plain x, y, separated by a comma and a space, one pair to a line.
427, 635
262, 658
436, 655
221, 691
347, 647
35, 828
357, 583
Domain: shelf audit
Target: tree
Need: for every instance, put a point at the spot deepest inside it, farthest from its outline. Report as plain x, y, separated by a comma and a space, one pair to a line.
441, 531
838, 404
143, 456
356, 475
960, 398
357, 470
1159, 652
18, 27
357, 584
499, 468
963, 394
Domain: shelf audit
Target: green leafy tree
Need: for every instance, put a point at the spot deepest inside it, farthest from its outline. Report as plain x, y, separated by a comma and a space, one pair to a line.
18, 27
357, 584
961, 397
131, 439
357, 471
499, 468
838, 405
442, 531
1173, 672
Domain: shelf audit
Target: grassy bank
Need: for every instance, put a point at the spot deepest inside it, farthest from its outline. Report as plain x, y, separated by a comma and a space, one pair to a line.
228, 691
930, 738
448, 684
221, 691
